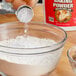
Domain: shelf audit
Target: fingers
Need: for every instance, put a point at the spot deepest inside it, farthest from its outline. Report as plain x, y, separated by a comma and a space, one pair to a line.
17, 3
31, 2
9, 1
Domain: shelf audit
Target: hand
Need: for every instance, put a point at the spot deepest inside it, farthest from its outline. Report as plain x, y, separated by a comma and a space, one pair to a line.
17, 3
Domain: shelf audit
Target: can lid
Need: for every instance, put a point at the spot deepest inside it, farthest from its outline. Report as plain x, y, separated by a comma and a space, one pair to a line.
24, 14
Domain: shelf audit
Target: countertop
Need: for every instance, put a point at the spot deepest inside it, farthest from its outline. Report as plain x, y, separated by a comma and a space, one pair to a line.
63, 68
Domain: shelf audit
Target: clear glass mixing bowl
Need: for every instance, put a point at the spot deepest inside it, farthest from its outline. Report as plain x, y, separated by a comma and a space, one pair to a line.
36, 61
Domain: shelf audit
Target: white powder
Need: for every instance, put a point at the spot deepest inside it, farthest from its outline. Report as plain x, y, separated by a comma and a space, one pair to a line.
24, 14
48, 60
27, 42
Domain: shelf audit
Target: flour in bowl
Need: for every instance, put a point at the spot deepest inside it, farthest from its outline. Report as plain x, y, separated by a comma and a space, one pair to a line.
27, 42
38, 56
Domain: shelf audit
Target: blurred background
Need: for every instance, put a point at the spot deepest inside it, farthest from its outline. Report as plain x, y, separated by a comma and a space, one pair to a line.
40, 1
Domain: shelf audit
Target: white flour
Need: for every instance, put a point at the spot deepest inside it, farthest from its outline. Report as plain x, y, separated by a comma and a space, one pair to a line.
49, 60
27, 42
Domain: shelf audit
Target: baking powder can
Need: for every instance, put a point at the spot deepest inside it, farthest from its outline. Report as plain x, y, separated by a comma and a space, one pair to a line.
61, 13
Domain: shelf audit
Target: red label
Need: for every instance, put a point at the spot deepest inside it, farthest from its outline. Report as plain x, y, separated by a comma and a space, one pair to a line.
61, 12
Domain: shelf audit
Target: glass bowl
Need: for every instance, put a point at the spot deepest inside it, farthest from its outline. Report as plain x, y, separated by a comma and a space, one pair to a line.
71, 53
30, 52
